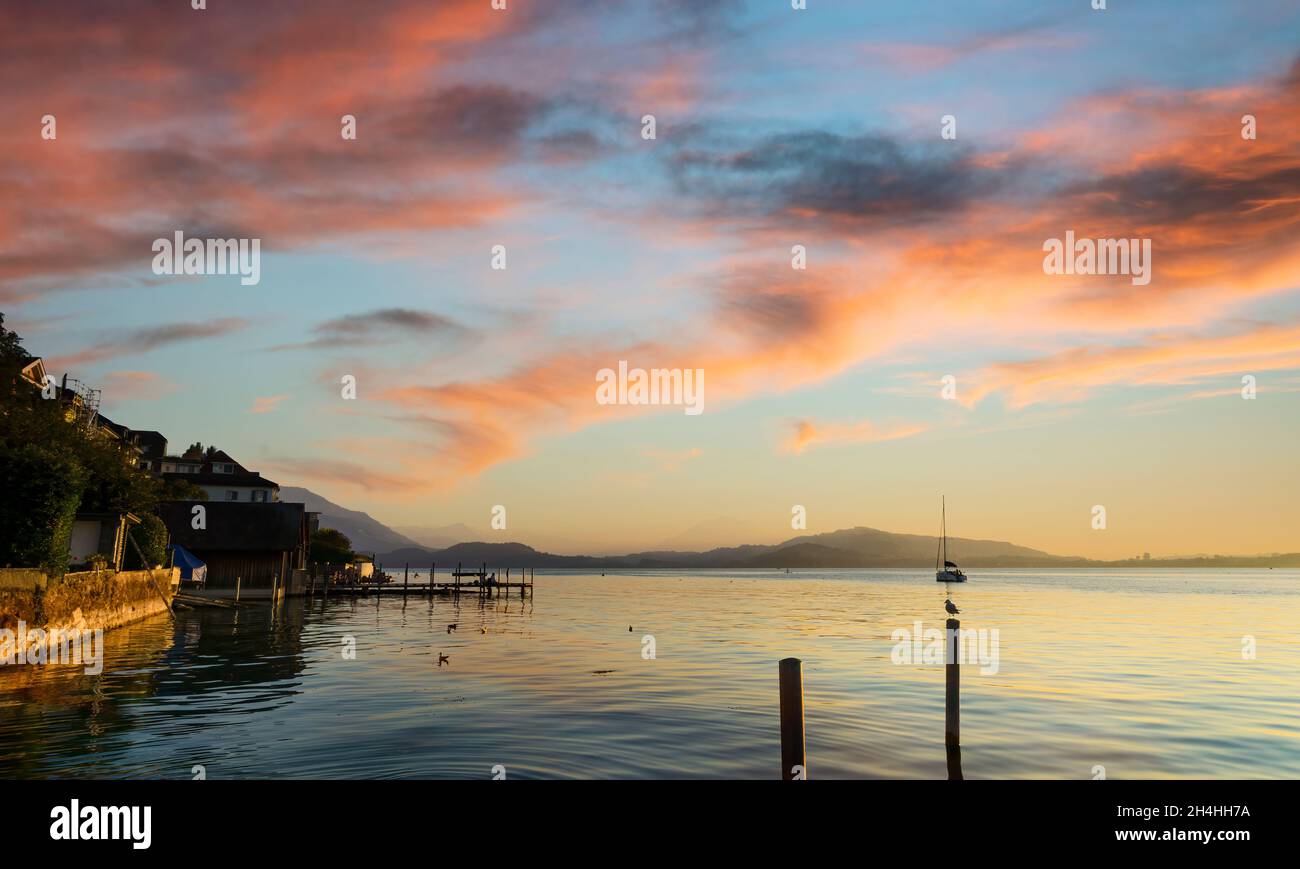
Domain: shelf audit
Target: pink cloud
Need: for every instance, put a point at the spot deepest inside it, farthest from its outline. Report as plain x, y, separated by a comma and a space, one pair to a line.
135, 386
266, 404
808, 434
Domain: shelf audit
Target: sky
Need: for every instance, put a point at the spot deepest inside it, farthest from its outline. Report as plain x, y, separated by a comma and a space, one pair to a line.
921, 153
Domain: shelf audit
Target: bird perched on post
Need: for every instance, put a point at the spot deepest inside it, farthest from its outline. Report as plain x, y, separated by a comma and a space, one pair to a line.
951, 608
451, 627
443, 659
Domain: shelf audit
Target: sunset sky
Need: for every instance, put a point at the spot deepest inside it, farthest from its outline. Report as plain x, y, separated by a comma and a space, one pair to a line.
774, 127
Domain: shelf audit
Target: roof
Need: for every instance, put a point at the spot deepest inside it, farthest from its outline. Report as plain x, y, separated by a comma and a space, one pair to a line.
233, 526
35, 366
116, 428
248, 478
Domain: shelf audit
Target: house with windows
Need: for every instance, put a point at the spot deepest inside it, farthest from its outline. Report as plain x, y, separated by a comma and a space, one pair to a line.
220, 476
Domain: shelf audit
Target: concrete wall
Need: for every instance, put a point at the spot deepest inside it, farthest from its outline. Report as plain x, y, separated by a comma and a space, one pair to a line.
85, 601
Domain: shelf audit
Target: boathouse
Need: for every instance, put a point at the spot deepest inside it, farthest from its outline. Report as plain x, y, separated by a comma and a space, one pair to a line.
253, 545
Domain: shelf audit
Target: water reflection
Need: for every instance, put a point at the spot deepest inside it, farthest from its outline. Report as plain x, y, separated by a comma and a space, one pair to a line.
1142, 673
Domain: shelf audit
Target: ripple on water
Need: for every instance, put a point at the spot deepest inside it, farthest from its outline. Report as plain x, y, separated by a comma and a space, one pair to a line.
1090, 673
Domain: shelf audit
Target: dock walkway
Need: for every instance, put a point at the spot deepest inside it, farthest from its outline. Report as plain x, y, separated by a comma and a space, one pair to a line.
481, 582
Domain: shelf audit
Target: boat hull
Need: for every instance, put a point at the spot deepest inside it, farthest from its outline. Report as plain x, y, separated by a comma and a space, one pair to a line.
949, 576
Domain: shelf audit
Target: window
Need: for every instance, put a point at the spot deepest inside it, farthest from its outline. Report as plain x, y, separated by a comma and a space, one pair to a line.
225, 469
232, 495
259, 495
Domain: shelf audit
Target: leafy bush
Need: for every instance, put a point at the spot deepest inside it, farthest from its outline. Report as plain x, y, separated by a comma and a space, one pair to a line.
151, 536
42, 487
331, 547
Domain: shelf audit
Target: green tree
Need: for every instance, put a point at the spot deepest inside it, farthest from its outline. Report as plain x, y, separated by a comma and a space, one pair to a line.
42, 486
177, 489
11, 347
51, 468
329, 546
151, 536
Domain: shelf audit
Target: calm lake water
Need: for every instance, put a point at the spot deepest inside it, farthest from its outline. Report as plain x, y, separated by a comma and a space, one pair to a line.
1140, 672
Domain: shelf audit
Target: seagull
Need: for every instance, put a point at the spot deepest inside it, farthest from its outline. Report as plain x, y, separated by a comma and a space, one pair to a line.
443, 659
483, 629
950, 607
629, 629
451, 627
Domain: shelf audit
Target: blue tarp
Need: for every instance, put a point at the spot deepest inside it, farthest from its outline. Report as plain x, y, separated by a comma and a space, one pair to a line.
191, 568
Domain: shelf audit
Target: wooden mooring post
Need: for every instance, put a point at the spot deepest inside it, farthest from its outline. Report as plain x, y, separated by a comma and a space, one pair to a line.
406, 578
952, 701
237, 581
794, 763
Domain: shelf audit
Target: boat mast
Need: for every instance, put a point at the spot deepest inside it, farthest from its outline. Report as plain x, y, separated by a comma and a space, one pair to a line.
944, 523
939, 547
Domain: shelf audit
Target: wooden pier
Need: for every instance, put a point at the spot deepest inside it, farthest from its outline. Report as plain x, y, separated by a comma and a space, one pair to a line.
325, 582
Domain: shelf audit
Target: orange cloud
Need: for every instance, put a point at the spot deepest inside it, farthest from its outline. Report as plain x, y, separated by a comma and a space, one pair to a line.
246, 143
808, 434
1076, 374
135, 386
266, 404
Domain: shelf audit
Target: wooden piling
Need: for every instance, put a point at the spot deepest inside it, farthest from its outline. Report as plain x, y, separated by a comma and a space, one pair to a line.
794, 763
952, 701
237, 581
406, 578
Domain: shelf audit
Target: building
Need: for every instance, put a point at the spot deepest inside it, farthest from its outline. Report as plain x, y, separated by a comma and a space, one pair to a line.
33, 371
82, 408
220, 476
100, 534
152, 446
256, 545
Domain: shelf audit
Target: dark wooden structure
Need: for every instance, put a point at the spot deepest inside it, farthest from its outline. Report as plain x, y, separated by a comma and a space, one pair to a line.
329, 580
256, 545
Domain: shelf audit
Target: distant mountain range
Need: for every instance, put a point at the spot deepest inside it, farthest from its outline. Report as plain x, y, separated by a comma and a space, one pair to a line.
439, 538
851, 547
366, 533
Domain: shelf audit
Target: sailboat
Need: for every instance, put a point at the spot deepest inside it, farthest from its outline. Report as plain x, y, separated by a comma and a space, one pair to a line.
949, 572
